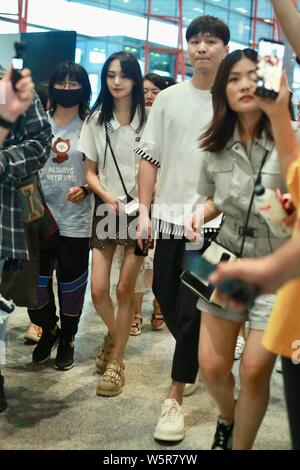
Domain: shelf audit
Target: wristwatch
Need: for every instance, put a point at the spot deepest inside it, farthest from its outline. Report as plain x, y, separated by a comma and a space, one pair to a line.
85, 190
6, 124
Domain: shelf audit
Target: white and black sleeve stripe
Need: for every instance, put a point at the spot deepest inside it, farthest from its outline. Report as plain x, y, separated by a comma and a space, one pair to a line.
146, 156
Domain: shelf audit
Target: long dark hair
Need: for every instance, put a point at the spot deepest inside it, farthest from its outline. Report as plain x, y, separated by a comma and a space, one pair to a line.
224, 119
105, 102
73, 72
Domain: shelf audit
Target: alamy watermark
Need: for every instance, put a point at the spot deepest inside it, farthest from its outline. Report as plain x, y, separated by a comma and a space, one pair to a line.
122, 225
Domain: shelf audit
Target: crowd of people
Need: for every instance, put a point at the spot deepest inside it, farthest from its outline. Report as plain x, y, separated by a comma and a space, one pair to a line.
150, 161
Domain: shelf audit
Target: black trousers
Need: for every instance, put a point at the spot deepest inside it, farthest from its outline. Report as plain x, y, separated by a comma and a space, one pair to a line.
70, 257
291, 379
178, 305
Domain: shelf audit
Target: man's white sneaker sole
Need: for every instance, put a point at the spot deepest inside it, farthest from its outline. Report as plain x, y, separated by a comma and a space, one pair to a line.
168, 437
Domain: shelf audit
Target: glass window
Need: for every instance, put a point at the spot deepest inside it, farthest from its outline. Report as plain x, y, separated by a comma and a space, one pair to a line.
78, 53
239, 28
167, 8
97, 56
134, 6
263, 30
243, 8
212, 9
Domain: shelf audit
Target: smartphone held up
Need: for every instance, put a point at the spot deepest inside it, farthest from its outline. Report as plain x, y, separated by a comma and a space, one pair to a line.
17, 64
269, 67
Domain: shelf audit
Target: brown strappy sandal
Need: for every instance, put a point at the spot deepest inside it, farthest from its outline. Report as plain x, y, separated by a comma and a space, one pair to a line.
136, 327
157, 318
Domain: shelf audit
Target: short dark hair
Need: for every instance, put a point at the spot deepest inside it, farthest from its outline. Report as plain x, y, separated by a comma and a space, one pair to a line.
224, 119
208, 24
73, 72
131, 69
156, 79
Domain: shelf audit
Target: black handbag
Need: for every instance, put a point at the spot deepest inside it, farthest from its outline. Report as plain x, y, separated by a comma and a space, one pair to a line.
21, 285
214, 253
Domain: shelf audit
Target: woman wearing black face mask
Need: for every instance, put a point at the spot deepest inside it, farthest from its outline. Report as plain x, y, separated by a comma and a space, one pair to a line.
67, 196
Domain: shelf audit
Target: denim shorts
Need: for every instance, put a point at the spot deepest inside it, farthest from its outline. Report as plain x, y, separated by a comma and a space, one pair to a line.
257, 316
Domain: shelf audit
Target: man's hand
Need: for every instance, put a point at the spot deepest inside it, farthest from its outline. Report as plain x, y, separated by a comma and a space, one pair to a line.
18, 102
144, 228
192, 228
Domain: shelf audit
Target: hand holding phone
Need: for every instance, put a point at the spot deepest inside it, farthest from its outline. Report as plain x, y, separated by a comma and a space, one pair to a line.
147, 245
241, 292
269, 68
17, 64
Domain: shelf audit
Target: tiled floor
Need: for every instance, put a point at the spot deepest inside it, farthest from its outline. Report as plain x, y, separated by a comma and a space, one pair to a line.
49, 409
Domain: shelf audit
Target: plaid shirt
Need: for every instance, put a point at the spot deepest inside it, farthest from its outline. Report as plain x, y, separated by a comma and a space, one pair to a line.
24, 151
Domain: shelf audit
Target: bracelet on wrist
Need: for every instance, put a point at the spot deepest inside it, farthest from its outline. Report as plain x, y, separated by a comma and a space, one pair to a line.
6, 124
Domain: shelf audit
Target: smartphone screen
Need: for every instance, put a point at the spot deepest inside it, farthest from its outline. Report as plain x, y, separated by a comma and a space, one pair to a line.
198, 267
269, 68
17, 63
17, 66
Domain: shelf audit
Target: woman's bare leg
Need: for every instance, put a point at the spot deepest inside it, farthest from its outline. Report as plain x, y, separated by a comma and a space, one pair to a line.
255, 372
100, 285
216, 356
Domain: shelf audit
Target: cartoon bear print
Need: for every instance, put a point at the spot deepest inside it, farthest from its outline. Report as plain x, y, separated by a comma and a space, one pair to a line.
60, 148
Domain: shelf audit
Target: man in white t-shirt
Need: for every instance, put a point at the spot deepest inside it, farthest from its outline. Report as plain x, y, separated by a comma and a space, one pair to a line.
170, 143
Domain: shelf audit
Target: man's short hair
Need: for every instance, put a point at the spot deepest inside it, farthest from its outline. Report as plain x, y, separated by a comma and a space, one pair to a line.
211, 25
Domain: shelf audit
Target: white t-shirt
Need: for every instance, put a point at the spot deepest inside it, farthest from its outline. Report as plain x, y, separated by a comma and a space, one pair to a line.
123, 141
178, 117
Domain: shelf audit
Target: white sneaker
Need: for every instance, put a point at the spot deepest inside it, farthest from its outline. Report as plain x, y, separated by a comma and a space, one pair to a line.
239, 348
189, 389
170, 426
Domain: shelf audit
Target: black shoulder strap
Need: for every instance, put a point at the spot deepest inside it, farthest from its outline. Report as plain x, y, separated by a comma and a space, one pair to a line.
257, 181
114, 158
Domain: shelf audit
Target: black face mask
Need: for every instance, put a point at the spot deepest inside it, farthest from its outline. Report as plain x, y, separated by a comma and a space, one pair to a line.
68, 98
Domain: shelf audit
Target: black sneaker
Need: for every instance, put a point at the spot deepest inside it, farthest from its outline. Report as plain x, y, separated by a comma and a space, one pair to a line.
3, 402
65, 356
223, 435
47, 342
